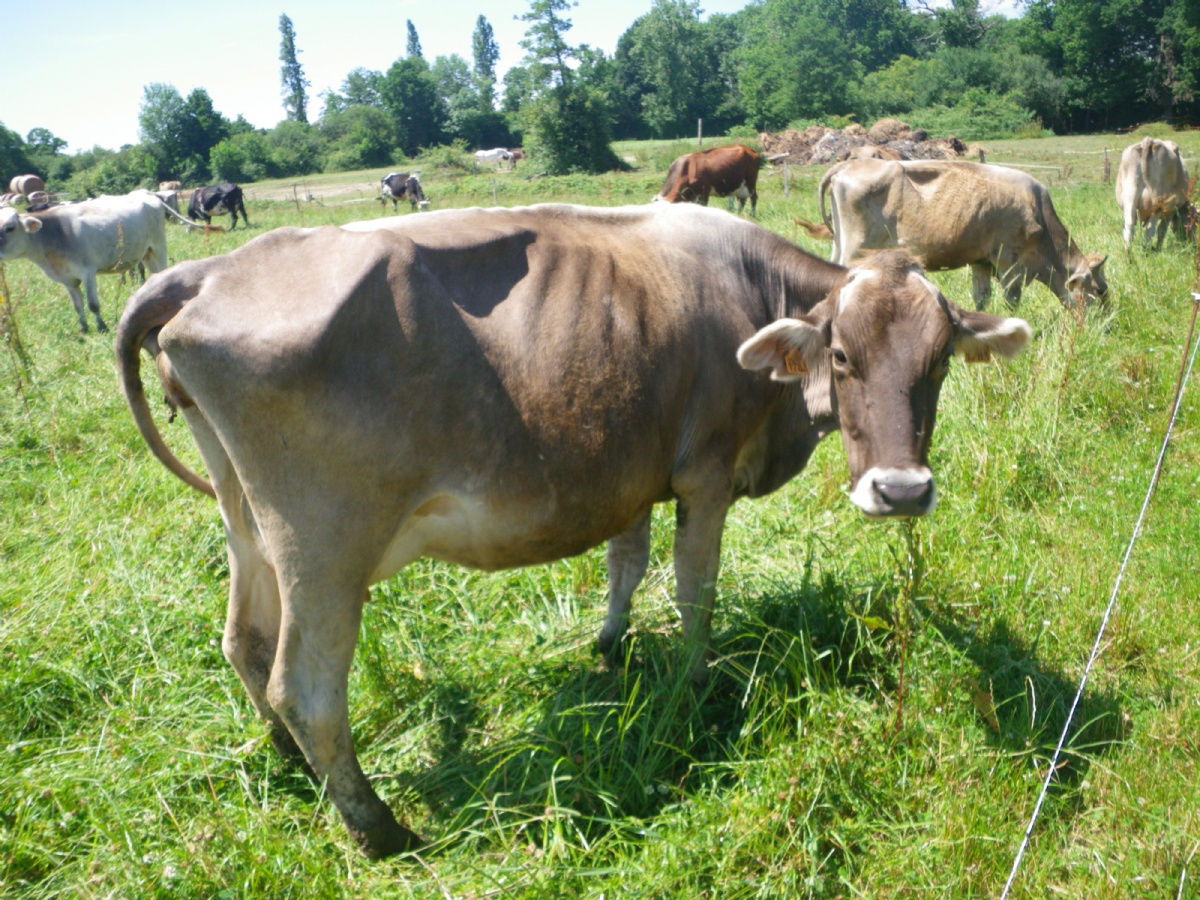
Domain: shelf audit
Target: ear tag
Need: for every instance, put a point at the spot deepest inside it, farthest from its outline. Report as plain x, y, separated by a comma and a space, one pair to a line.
793, 363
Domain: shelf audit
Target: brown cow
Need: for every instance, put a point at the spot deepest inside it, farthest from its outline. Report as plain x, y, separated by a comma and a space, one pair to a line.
950, 214
504, 387
1152, 187
723, 171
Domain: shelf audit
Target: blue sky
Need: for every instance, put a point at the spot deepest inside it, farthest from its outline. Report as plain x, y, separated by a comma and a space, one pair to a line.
78, 67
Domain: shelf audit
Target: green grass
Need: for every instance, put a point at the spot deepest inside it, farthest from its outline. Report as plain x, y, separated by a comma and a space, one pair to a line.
134, 766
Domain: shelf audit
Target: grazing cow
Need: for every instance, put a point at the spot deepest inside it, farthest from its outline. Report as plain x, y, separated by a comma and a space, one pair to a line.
515, 156
1152, 187
505, 387
400, 186
210, 201
950, 214
492, 157
73, 242
724, 171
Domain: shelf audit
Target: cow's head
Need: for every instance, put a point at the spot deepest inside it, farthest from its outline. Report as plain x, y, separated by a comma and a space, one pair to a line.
13, 228
887, 335
1086, 281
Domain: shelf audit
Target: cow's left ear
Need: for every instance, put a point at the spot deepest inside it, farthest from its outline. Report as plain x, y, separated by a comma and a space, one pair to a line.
790, 348
31, 224
978, 335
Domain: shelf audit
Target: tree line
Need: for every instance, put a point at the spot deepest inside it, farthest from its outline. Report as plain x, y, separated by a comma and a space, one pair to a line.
1063, 66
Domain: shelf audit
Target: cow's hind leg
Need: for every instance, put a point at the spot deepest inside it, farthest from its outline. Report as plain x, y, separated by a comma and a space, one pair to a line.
628, 557
93, 302
307, 688
76, 295
981, 283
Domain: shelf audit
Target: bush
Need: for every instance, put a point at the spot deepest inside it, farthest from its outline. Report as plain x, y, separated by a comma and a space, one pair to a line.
979, 116
569, 132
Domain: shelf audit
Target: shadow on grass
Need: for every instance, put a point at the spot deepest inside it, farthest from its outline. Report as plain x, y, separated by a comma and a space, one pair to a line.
611, 747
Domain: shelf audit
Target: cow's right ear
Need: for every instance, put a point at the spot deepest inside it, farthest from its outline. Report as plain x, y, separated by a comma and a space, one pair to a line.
790, 348
31, 224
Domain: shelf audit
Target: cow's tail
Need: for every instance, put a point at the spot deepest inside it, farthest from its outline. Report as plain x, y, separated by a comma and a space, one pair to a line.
822, 190
139, 328
184, 219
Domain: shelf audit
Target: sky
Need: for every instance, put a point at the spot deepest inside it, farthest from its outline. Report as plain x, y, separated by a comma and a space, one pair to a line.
88, 61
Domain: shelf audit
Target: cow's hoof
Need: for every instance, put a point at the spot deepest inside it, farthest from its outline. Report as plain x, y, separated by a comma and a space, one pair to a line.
387, 839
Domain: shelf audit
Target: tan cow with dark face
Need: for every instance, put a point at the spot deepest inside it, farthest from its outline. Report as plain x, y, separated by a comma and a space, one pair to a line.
1152, 188
505, 387
950, 214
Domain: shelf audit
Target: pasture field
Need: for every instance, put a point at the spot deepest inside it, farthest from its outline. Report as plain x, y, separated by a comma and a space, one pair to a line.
882, 708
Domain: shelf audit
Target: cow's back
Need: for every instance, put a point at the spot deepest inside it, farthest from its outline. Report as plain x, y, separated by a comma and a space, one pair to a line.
562, 387
1151, 176
945, 213
107, 234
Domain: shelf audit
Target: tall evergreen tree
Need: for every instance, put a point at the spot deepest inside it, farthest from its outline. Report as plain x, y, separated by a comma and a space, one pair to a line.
545, 44
413, 48
486, 53
295, 85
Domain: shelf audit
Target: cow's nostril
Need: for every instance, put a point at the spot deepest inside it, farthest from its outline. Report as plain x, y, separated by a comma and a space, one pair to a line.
905, 496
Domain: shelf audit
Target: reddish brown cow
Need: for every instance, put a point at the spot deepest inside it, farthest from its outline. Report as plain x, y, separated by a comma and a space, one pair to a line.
723, 171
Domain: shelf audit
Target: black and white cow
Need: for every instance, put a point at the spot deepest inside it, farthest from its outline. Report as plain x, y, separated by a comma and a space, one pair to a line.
216, 199
397, 186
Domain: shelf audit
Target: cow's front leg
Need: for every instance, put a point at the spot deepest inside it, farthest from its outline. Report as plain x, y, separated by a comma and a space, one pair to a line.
699, 521
628, 557
93, 301
307, 688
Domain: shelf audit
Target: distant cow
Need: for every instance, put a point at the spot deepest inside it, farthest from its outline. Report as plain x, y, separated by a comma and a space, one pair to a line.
216, 199
397, 186
1152, 187
74, 242
723, 171
505, 387
492, 157
950, 214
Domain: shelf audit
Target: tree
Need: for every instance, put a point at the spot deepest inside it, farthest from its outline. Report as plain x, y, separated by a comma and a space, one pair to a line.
665, 54
295, 85
566, 123
162, 128
547, 54
486, 54
413, 46
409, 94
359, 88
14, 155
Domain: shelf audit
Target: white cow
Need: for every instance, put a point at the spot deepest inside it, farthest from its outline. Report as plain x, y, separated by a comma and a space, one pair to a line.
1152, 187
74, 242
494, 156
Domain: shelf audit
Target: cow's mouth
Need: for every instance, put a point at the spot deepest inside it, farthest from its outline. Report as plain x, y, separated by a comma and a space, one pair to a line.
895, 493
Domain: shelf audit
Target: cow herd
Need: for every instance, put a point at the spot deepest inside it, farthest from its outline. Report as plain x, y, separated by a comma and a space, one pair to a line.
504, 387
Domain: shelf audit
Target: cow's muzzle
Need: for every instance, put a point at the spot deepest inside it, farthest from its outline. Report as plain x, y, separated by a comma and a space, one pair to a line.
895, 492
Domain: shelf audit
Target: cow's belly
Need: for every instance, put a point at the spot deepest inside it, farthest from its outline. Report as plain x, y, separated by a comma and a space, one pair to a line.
482, 533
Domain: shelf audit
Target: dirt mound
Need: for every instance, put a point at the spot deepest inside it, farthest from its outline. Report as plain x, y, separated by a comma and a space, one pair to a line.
886, 139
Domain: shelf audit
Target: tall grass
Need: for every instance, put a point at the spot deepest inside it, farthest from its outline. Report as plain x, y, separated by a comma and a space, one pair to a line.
133, 765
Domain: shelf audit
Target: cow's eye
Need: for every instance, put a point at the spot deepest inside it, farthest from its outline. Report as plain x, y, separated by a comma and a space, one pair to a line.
839, 357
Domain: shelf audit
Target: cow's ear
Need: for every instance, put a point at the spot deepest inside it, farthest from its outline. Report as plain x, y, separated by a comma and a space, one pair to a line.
31, 224
978, 335
790, 348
